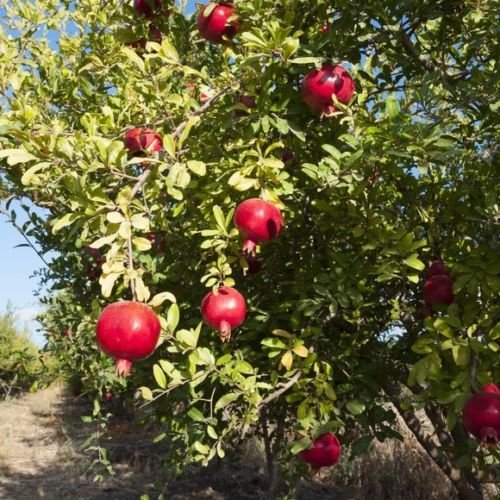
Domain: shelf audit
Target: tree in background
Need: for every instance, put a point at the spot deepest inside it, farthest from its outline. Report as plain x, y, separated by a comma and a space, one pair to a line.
403, 174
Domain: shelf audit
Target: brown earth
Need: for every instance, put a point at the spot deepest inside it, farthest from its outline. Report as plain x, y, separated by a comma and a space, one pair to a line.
42, 456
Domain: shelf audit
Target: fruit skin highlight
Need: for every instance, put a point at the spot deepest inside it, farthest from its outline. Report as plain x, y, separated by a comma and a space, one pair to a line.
216, 26
325, 451
319, 86
127, 331
258, 221
481, 415
224, 311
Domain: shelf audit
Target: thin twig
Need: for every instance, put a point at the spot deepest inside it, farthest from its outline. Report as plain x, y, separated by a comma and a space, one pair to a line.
131, 269
283, 388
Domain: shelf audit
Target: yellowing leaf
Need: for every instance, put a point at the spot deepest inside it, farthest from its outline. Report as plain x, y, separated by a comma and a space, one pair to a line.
287, 360
301, 351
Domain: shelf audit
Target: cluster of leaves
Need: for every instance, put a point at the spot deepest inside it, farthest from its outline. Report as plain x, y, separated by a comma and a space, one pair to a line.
21, 364
335, 328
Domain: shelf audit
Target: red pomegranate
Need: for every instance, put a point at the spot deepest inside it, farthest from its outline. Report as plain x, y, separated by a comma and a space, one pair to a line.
143, 140
154, 35
127, 331
247, 101
438, 289
223, 311
147, 8
481, 415
158, 242
320, 85
258, 221
325, 451
217, 22
437, 267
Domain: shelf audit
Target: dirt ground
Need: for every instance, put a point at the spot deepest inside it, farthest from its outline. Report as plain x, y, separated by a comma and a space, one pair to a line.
42, 456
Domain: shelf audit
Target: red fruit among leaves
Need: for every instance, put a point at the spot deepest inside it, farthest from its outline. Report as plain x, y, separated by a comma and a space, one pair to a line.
258, 221
319, 86
154, 35
437, 267
217, 22
224, 311
143, 140
127, 331
438, 289
246, 102
481, 415
147, 7
325, 451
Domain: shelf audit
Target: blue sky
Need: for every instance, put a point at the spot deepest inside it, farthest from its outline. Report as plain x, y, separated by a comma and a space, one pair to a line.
17, 266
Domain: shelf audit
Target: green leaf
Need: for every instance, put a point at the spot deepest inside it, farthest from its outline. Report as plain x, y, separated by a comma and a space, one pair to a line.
392, 107
197, 167
146, 393
226, 400
16, 156
195, 415
414, 262
356, 407
28, 176
219, 217
211, 432
159, 375
173, 317
169, 145
161, 297
64, 221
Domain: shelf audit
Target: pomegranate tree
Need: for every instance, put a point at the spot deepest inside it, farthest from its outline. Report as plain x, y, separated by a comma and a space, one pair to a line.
143, 140
258, 221
320, 85
224, 310
325, 451
217, 22
127, 331
481, 415
438, 289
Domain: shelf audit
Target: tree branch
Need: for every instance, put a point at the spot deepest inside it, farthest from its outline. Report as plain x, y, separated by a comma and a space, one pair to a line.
283, 388
426, 63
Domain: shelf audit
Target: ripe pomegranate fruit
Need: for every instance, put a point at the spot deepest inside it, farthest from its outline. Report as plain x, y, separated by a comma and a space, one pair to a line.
258, 221
154, 35
127, 331
320, 85
325, 451
223, 311
247, 101
481, 415
147, 8
158, 242
143, 140
218, 23
437, 267
438, 289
